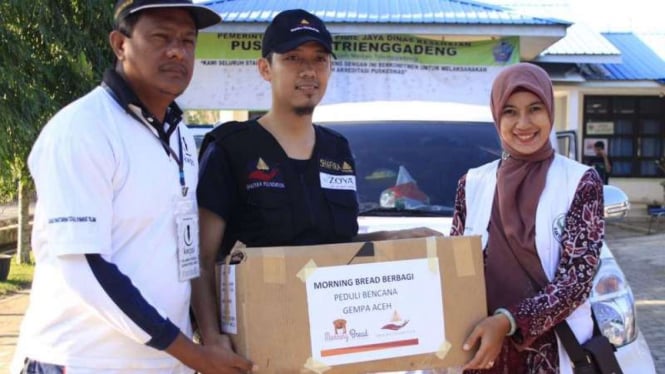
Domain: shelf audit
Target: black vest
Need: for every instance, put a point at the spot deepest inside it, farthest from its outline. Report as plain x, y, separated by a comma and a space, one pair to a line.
274, 206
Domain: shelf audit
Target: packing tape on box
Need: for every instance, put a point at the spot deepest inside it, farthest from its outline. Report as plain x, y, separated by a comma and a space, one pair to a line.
274, 265
315, 366
432, 259
443, 350
307, 270
464, 258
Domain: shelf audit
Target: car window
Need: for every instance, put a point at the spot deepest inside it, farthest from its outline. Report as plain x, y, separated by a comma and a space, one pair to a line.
198, 131
434, 155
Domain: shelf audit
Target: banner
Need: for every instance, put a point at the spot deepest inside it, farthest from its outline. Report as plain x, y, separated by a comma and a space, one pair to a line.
367, 68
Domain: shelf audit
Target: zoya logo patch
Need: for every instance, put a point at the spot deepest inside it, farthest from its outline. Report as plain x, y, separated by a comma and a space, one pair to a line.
338, 182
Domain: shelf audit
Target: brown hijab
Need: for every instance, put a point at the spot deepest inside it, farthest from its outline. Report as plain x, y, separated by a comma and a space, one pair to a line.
511, 248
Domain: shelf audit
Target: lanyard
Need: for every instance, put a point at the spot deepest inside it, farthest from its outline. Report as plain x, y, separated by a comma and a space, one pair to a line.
167, 147
178, 159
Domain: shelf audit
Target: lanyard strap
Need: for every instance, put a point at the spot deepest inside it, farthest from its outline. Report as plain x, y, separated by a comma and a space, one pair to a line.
167, 147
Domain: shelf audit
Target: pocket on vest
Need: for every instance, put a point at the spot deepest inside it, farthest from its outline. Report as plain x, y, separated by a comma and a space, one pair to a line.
270, 216
344, 208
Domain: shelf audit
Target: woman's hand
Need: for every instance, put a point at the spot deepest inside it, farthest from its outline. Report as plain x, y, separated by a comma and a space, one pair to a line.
490, 332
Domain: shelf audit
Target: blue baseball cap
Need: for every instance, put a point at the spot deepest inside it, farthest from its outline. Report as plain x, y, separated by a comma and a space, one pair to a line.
294, 27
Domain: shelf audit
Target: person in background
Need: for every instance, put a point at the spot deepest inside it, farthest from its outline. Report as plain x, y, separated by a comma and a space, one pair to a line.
540, 216
115, 223
600, 161
278, 180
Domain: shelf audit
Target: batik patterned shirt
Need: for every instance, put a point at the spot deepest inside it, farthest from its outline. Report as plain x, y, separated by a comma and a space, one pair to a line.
534, 348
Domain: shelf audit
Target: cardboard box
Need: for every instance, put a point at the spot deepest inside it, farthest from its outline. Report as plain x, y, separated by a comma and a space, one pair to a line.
355, 307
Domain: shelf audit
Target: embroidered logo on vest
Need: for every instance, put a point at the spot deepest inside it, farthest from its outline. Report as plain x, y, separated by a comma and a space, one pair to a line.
263, 175
261, 165
557, 226
345, 167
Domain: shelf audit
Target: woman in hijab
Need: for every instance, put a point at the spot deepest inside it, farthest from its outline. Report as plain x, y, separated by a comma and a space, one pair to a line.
540, 216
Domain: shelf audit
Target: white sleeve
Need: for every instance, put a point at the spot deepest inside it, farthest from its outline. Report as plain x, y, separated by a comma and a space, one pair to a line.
111, 296
73, 165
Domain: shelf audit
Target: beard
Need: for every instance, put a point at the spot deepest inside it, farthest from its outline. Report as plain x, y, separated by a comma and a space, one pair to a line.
303, 110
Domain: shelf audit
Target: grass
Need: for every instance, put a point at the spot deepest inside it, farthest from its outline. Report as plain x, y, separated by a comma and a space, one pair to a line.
19, 278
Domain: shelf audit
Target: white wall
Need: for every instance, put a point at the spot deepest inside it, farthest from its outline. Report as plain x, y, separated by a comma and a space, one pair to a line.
560, 112
640, 190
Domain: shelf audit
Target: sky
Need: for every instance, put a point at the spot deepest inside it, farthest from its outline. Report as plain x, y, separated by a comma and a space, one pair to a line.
640, 16
617, 15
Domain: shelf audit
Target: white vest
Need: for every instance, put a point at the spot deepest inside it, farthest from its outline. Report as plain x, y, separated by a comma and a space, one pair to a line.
563, 178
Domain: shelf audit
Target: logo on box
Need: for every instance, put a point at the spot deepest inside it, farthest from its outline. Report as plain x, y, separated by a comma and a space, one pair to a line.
396, 322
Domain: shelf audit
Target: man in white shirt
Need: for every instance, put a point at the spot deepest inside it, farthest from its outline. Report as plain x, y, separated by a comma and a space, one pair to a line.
116, 230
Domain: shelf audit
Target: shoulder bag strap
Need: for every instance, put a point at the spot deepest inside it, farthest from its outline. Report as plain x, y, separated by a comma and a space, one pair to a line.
570, 343
574, 349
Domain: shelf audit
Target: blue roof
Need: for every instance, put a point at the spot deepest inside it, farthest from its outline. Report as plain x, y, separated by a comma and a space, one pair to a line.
639, 62
581, 44
379, 11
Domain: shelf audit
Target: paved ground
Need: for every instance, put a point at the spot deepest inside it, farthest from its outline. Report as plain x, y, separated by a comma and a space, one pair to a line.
11, 312
641, 257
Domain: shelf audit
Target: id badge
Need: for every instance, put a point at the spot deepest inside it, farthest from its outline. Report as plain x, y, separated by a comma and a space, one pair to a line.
187, 226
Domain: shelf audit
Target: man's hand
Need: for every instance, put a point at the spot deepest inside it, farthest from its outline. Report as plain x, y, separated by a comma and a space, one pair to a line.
214, 358
220, 359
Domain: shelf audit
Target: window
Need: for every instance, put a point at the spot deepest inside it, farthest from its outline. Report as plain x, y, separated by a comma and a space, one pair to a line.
632, 127
254, 114
596, 104
650, 105
434, 154
623, 105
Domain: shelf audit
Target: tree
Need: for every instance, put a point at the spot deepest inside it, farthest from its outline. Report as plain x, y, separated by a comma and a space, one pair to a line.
51, 52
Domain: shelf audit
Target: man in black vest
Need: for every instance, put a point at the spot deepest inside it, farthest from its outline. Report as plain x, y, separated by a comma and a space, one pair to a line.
278, 180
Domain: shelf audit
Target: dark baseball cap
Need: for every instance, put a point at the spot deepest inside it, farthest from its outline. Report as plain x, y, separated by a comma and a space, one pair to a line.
203, 16
294, 27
